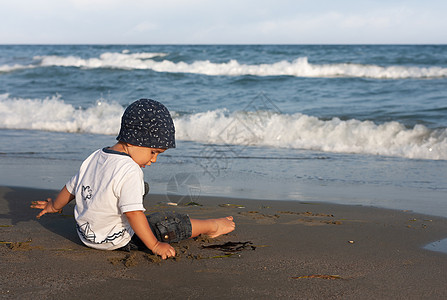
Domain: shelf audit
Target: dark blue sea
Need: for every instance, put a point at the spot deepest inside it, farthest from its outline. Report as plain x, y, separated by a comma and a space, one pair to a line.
350, 124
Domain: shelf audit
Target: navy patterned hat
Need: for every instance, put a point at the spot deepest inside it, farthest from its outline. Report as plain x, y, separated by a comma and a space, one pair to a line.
147, 123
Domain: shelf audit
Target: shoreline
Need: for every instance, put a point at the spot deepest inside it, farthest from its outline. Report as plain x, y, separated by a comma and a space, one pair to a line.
386, 182
283, 249
53, 174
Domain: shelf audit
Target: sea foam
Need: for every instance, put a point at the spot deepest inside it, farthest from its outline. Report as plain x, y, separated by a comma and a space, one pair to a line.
251, 128
15, 67
53, 114
307, 132
300, 67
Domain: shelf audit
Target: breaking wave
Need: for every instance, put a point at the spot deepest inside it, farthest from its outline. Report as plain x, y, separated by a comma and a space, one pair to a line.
254, 128
300, 67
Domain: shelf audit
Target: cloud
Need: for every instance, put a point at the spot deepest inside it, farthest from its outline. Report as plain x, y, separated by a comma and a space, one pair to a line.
145, 26
399, 24
230, 21
94, 5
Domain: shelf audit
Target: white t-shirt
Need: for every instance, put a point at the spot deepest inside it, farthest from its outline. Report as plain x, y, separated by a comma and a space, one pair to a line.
108, 184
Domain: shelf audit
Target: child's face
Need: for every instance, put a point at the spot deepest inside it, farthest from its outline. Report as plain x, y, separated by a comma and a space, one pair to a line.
144, 156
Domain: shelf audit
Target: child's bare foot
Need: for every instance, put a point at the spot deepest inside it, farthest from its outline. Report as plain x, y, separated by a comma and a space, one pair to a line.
223, 226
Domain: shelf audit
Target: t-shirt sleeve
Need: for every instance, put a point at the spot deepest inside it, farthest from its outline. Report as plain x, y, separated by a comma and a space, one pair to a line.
71, 184
131, 192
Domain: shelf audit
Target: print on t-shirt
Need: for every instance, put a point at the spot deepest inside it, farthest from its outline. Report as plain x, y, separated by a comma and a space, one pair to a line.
86, 193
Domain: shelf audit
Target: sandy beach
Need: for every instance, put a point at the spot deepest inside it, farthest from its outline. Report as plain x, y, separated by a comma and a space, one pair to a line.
291, 250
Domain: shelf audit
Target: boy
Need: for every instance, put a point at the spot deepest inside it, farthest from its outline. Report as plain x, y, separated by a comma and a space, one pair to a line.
109, 189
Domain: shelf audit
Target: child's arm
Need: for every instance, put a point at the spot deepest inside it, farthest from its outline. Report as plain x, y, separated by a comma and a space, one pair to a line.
50, 206
139, 224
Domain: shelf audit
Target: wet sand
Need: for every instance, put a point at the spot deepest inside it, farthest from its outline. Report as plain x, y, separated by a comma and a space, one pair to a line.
279, 249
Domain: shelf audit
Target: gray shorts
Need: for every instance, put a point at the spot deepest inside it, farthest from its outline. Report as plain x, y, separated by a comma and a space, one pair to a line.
168, 227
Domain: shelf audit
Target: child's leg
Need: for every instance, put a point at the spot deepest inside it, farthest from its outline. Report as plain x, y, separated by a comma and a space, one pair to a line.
212, 227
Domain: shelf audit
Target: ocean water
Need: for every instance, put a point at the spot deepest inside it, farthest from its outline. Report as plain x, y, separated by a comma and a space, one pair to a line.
355, 124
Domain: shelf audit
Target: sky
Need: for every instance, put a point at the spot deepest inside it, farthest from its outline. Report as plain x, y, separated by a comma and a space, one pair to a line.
223, 22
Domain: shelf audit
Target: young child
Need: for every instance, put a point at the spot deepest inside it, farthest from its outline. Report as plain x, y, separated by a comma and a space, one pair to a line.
109, 189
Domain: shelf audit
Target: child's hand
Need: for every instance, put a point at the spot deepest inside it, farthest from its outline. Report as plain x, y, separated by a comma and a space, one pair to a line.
46, 207
164, 250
